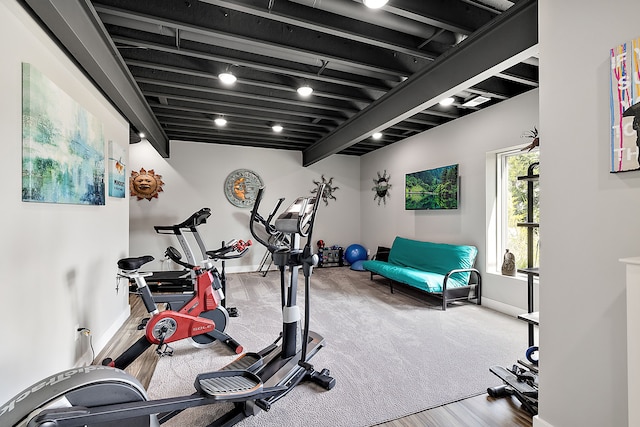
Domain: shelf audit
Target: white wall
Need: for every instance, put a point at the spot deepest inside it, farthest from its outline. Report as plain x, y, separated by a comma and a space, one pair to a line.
465, 141
58, 261
54, 256
194, 177
589, 217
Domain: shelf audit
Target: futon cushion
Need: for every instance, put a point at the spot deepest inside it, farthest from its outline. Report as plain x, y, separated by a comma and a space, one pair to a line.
434, 257
425, 280
425, 264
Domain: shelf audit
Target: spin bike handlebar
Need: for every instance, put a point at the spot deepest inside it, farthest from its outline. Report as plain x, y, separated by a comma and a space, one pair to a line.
239, 246
223, 253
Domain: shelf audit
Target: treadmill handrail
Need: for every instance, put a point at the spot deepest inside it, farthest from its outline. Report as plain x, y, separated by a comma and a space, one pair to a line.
196, 219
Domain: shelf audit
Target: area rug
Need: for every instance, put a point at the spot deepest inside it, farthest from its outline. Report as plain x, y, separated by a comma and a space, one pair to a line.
392, 355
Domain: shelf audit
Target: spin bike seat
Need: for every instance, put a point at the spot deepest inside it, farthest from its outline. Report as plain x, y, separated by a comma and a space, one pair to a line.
134, 263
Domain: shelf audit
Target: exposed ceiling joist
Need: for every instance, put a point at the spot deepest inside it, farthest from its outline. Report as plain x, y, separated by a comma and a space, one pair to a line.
77, 27
158, 62
504, 42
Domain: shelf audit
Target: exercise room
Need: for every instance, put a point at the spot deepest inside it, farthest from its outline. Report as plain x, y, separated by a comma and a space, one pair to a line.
340, 213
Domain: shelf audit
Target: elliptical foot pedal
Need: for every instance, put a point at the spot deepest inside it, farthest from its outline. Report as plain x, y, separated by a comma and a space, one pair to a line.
247, 362
228, 385
513, 381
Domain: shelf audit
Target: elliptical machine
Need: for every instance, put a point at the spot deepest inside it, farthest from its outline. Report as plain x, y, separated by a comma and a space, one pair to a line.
100, 395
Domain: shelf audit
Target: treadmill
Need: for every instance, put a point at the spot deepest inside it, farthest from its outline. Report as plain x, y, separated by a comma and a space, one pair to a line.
180, 280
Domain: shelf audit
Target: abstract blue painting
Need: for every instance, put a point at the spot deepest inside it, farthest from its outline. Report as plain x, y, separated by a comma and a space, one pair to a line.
62, 145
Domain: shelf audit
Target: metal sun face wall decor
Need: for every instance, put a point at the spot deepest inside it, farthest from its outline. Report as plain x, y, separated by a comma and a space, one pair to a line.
241, 187
145, 184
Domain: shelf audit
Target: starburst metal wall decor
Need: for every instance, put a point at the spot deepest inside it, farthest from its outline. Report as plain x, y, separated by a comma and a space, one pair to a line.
381, 187
328, 190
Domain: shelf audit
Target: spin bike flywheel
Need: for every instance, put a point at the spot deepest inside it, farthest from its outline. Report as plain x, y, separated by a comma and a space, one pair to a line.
220, 317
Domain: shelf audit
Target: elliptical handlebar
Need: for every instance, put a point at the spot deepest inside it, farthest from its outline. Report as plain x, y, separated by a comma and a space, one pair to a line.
256, 217
271, 229
298, 218
312, 219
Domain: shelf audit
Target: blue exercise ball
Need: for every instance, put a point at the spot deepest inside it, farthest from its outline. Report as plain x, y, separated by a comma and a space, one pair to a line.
357, 265
355, 253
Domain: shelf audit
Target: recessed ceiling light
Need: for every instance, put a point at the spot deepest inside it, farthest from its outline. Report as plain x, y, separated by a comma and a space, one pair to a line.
476, 101
374, 4
227, 78
220, 121
277, 128
447, 101
141, 135
377, 135
305, 90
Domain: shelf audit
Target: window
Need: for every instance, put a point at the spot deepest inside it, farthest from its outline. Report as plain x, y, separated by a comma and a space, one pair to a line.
512, 205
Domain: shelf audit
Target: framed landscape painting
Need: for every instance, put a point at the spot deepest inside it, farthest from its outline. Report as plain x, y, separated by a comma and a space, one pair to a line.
62, 145
432, 189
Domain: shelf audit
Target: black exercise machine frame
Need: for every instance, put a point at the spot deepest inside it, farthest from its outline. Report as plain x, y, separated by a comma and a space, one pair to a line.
266, 376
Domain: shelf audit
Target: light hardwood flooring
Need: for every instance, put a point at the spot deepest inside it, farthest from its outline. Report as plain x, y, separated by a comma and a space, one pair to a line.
478, 411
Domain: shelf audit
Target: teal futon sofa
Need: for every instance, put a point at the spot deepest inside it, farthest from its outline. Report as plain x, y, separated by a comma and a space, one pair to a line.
439, 269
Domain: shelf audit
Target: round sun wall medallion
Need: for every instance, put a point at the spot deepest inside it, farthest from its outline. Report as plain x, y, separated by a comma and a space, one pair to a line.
145, 184
241, 187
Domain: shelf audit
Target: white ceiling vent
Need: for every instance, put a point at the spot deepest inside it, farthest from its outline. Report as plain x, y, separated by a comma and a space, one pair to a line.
476, 101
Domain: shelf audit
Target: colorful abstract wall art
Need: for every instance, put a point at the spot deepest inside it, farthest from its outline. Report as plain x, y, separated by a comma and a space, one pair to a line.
117, 171
625, 106
62, 145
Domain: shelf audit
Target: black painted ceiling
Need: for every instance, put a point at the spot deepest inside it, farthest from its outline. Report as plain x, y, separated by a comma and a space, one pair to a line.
370, 70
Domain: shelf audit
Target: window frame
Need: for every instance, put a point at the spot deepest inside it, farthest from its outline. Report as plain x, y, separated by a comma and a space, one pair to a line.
502, 192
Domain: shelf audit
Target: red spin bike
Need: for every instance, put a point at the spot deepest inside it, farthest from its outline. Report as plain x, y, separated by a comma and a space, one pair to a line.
197, 313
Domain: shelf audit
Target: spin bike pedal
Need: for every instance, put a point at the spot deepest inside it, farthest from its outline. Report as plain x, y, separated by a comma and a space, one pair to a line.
164, 350
143, 323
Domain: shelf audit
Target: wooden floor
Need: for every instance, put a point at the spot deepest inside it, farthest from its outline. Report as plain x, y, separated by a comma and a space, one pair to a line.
144, 366
479, 411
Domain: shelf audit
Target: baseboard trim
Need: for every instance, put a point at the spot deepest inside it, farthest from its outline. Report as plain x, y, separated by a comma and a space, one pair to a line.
539, 422
111, 332
87, 356
502, 307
